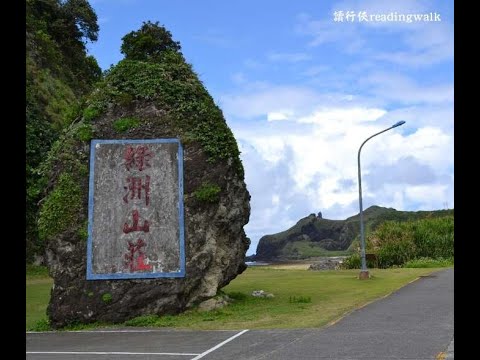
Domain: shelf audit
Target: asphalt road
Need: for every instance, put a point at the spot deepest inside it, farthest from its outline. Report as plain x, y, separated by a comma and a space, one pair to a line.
414, 323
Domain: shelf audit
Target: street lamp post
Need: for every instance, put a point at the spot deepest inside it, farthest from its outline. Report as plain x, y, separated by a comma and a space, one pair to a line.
364, 272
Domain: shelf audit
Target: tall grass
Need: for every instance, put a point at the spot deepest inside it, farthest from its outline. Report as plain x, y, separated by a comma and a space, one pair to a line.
397, 243
428, 263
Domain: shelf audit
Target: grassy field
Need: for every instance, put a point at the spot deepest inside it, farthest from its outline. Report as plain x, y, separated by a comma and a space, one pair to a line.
302, 298
37, 296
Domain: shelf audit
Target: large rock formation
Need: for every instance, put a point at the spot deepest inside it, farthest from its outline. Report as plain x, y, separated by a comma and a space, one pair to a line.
312, 235
147, 100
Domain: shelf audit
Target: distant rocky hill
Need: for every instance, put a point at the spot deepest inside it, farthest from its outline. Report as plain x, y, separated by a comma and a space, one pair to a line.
313, 235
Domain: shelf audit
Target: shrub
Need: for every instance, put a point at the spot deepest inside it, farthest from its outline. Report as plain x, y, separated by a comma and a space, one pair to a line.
352, 262
435, 237
398, 243
355, 262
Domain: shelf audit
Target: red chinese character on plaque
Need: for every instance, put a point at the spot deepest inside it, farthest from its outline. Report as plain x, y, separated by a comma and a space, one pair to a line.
135, 257
138, 157
135, 227
135, 187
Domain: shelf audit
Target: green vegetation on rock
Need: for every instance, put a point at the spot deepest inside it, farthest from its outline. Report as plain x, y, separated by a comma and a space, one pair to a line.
162, 76
63, 175
60, 208
207, 193
90, 113
107, 297
85, 132
123, 124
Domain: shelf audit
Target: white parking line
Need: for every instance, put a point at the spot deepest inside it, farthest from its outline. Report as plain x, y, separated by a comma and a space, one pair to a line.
106, 331
92, 331
197, 355
105, 353
219, 345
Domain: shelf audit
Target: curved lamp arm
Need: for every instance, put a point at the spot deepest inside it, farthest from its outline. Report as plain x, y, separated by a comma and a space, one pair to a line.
362, 230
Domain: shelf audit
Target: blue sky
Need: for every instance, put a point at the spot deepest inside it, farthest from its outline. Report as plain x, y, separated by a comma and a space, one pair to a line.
301, 92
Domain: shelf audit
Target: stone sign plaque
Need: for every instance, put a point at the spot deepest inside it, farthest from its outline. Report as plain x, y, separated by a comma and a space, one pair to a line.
135, 220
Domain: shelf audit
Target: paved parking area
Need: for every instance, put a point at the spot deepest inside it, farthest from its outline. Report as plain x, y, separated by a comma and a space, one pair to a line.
115, 344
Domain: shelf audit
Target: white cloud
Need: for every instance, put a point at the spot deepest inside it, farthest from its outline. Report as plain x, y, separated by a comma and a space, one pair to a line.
280, 115
268, 100
275, 200
261, 99
308, 163
439, 115
429, 196
406, 170
399, 88
343, 115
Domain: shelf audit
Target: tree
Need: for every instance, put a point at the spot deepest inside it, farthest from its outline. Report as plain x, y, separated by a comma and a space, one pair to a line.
59, 72
81, 14
148, 43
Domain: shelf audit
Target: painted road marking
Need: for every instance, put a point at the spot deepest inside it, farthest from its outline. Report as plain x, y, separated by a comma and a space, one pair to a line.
219, 345
104, 353
105, 331
197, 355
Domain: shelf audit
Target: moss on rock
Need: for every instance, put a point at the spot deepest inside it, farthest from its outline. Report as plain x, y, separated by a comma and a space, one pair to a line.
207, 192
173, 86
60, 208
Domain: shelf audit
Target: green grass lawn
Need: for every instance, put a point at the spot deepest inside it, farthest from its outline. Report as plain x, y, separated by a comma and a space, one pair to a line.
327, 295
37, 296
